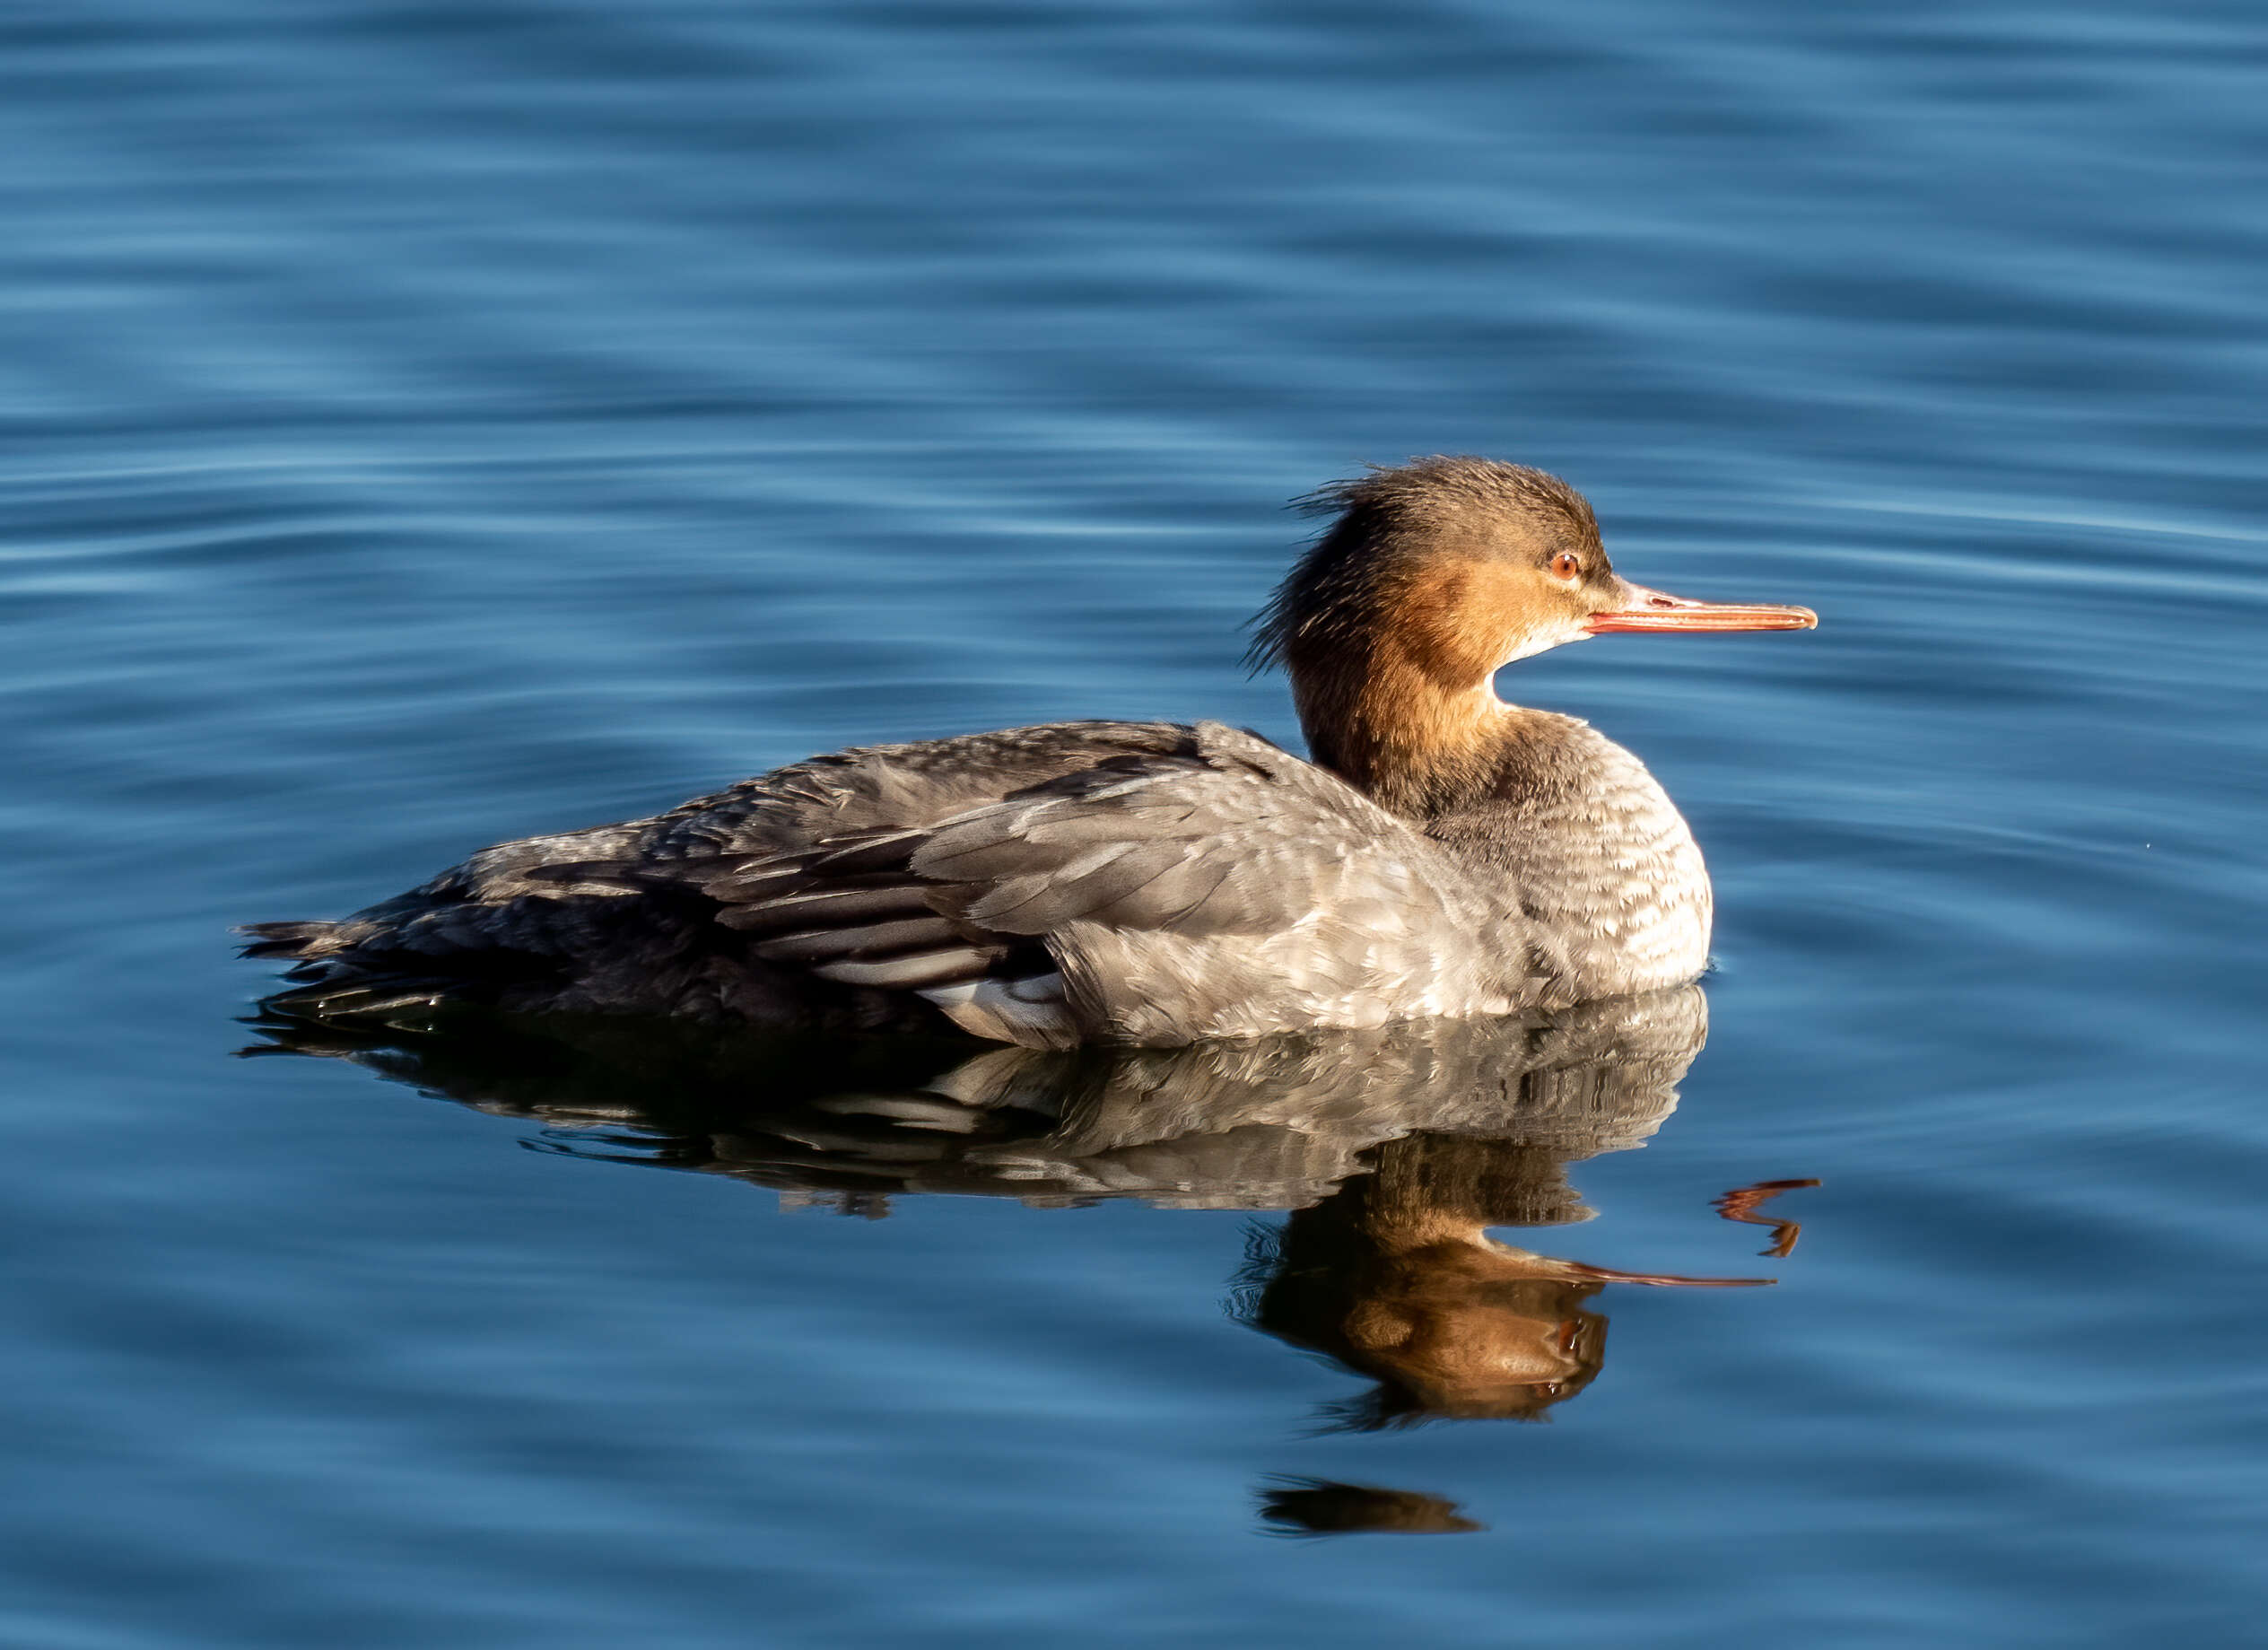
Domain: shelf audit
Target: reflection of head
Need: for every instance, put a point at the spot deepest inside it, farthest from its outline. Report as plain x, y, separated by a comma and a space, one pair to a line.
1395, 1278
1322, 1506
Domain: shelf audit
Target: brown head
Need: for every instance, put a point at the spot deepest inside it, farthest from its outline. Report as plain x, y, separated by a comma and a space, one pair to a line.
1435, 576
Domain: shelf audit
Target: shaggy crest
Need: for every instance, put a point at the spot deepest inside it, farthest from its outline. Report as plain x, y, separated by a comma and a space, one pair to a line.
1332, 581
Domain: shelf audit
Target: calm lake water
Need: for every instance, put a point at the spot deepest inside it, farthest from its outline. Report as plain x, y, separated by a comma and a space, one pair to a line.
427, 424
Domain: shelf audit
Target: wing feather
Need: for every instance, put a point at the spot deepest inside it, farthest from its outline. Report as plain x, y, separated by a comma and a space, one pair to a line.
1137, 882
1222, 886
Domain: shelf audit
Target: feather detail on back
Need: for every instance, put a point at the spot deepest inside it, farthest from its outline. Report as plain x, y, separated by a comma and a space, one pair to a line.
1211, 885
1145, 883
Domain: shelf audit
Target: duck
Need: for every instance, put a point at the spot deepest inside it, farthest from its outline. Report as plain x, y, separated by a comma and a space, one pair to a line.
1437, 853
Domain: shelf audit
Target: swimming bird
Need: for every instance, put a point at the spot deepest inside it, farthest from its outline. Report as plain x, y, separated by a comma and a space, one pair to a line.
1439, 853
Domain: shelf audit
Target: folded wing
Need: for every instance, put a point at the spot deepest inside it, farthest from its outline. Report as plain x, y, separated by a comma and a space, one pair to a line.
1221, 888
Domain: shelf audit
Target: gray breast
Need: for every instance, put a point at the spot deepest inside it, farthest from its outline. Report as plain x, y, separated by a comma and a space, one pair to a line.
1591, 864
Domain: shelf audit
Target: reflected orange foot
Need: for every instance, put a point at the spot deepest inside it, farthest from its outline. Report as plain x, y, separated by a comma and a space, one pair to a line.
1743, 1202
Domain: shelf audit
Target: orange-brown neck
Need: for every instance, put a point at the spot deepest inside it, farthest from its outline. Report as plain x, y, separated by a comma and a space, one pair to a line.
1400, 704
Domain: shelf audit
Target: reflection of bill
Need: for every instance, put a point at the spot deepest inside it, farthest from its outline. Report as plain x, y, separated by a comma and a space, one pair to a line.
1746, 1204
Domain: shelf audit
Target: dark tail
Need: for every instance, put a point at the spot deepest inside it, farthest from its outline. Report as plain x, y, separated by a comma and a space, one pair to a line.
356, 999
298, 940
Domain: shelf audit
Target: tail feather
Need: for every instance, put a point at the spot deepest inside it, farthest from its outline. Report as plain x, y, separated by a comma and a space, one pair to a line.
293, 939
356, 998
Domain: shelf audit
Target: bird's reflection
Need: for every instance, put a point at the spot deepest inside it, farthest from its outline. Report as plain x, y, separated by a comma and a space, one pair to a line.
1395, 1151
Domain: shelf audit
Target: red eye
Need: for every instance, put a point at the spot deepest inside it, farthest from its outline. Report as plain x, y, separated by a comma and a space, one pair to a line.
1565, 565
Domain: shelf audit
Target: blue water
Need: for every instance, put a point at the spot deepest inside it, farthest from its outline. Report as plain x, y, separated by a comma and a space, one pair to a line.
426, 425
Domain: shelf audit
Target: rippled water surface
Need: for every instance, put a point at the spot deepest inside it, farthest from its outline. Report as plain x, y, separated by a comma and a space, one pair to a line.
426, 425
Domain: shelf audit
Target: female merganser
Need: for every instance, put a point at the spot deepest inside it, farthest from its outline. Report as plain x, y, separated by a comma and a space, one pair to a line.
1444, 853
